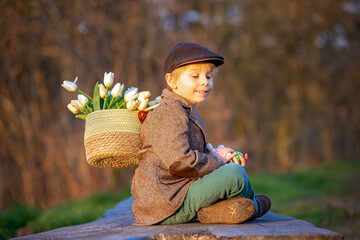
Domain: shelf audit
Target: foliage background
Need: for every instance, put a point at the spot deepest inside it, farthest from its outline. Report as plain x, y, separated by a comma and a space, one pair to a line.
288, 93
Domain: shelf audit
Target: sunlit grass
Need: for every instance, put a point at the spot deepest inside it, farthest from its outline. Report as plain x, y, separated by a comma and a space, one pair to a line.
310, 194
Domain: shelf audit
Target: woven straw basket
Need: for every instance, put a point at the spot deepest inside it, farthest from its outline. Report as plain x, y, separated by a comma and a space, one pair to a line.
112, 138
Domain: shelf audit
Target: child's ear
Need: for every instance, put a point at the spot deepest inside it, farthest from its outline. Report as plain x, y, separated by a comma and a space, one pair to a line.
170, 81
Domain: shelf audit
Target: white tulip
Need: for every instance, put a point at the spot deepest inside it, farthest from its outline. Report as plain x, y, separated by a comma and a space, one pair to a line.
108, 79
83, 100
144, 95
73, 102
102, 90
72, 109
131, 94
158, 99
152, 103
79, 104
143, 104
116, 91
130, 89
70, 86
132, 105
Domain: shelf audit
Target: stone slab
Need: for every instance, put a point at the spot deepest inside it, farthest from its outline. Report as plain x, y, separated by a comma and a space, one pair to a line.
116, 224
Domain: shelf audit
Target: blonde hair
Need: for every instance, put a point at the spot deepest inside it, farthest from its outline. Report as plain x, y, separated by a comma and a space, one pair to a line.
203, 66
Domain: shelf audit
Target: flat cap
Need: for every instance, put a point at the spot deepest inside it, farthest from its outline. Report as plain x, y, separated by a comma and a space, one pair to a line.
184, 53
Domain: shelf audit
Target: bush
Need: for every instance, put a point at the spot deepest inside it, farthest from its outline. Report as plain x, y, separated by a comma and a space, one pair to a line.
18, 215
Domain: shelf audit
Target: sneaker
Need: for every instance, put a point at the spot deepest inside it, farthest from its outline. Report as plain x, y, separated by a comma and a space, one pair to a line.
230, 211
264, 204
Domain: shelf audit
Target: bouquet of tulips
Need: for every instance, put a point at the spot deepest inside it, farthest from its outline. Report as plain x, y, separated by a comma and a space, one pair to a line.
103, 98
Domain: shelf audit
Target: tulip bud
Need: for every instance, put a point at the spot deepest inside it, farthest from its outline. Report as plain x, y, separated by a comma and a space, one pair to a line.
70, 86
108, 79
72, 109
131, 89
132, 105
73, 103
128, 105
143, 104
122, 89
152, 103
102, 90
158, 99
83, 100
116, 91
78, 104
144, 95
130, 94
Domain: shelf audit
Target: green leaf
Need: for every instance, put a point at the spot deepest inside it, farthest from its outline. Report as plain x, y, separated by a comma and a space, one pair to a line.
91, 106
118, 98
113, 106
96, 97
81, 116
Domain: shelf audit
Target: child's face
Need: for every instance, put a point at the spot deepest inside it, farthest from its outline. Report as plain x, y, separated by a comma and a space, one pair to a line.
194, 82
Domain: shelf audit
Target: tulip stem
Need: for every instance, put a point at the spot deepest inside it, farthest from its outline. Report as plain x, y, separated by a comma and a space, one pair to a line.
106, 92
89, 109
111, 103
121, 104
85, 94
83, 112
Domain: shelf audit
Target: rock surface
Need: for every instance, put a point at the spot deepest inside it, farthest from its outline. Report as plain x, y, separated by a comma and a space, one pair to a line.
116, 224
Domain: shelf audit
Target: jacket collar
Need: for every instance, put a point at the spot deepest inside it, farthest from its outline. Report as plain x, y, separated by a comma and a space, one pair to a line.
166, 93
193, 115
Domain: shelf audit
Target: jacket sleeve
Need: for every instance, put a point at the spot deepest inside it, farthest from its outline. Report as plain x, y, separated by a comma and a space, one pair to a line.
169, 134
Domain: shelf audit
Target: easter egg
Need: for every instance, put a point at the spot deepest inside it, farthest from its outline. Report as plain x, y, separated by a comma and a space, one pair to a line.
238, 155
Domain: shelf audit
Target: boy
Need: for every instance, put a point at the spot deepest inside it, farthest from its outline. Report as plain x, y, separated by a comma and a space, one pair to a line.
178, 178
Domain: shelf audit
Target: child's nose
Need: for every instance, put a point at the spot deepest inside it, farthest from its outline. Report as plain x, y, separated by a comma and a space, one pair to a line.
204, 80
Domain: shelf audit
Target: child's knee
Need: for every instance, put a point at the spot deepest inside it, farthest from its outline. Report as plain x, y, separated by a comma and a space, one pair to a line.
234, 169
235, 173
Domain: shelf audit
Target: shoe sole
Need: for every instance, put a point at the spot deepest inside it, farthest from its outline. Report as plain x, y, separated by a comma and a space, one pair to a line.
227, 212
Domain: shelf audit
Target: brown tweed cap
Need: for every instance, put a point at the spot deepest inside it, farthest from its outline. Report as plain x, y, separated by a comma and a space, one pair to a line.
184, 53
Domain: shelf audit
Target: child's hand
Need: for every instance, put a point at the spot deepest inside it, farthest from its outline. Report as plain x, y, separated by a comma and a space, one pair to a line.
239, 158
243, 160
225, 152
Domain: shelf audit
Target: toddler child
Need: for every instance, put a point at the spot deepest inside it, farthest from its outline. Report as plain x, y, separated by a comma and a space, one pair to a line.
178, 178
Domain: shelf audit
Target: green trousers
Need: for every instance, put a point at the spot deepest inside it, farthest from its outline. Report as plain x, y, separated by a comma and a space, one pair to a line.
227, 182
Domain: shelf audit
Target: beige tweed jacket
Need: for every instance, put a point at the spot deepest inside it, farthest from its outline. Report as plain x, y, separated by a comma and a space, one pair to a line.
174, 136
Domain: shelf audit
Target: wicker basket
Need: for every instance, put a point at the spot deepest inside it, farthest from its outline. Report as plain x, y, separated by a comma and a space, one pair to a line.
112, 138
